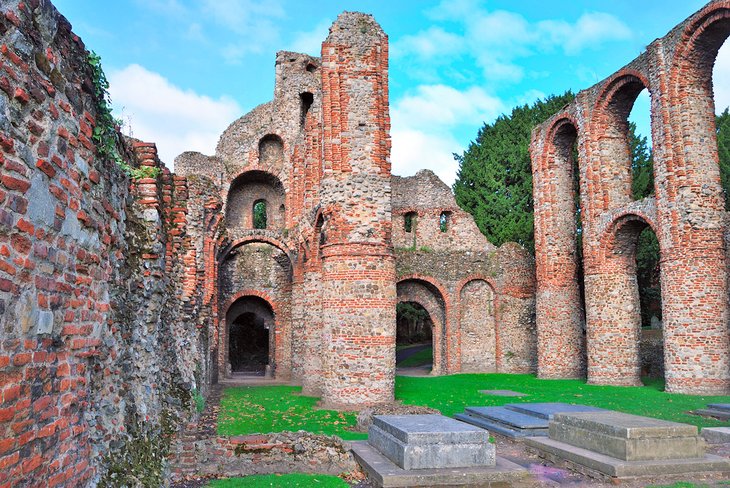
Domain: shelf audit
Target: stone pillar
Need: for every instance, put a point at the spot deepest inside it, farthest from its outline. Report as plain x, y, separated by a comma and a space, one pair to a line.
358, 262
559, 327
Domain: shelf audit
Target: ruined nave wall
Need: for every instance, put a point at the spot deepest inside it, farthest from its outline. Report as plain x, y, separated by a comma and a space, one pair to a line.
91, 369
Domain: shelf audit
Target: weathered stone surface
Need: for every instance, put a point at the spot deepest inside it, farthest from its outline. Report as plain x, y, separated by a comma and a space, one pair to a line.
716, 435
687, 214
384, 473
556, 451
548, 410
430, 441
627, 437
509, 417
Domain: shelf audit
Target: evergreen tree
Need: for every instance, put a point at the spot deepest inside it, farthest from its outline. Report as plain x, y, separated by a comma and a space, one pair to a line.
494, 182
723, 150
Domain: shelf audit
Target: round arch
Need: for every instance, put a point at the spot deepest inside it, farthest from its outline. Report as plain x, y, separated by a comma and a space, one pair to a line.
429, 294
259, 303
256, 238
613, 186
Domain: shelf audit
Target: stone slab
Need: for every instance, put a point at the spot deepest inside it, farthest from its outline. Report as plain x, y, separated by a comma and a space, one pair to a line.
431, 455
720, 406
548, 410
429, 429
627, 437
499, 428
716, 435
384, 473
504, 393
626, 426
509, 417
618, 468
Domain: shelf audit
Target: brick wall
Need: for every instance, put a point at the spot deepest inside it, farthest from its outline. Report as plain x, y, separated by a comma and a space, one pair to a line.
88, 359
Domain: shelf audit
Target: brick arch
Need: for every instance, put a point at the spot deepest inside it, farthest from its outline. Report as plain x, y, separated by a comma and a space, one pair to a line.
610, 175
481, 354
613, 331
619, 226
694, 158
441, 333
223, 334
558, 300
249, 186
261, 238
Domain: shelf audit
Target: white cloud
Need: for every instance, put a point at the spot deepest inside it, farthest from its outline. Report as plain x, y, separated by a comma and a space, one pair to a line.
424, 123
440, 105
414, 150
175, 119
721, 78
310, 42
591, 29
253, 22
494, 40
428, 44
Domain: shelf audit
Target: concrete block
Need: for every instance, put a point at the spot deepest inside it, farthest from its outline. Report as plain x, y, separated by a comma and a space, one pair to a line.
495, 427
384, 473
720, 406
430, 441
716, 435
627, 437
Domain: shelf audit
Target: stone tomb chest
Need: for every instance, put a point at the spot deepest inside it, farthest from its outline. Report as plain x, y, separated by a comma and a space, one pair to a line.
430, 441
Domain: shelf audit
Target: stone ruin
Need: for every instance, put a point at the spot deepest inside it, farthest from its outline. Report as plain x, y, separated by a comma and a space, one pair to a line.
687, 213
122, 301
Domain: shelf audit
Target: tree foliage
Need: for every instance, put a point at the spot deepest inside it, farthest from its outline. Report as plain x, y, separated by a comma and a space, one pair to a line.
494, 181
723, 150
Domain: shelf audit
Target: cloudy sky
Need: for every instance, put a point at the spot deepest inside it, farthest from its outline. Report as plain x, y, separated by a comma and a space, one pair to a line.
182, 70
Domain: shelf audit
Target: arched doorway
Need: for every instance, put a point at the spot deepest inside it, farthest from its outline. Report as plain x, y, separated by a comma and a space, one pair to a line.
250, 325
421, 316
414, 336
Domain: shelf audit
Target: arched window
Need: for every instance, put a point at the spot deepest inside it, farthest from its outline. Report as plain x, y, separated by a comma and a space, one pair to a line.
259, 214
409, 221
444, 221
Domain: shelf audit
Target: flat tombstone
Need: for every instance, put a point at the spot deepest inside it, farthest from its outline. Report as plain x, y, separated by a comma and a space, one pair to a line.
627, 437
548, 410
430, 441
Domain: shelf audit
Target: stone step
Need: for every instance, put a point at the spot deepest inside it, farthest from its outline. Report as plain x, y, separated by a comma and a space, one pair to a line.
555, 451
716, 435
548, 410
627, 437
510, 417
496, 427
712, 412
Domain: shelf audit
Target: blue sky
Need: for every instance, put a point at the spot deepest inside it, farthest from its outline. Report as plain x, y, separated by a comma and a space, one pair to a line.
182, 70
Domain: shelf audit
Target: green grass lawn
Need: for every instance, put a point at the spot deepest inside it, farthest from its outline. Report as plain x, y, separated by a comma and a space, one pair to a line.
450, 394
264, 409
419, 359
280, 481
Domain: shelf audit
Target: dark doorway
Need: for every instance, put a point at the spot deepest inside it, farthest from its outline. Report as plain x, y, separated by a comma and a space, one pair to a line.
250, 320
249, 344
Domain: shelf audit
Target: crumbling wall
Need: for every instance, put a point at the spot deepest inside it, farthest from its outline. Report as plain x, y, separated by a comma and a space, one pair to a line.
686, 213
92, 372
485, 331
